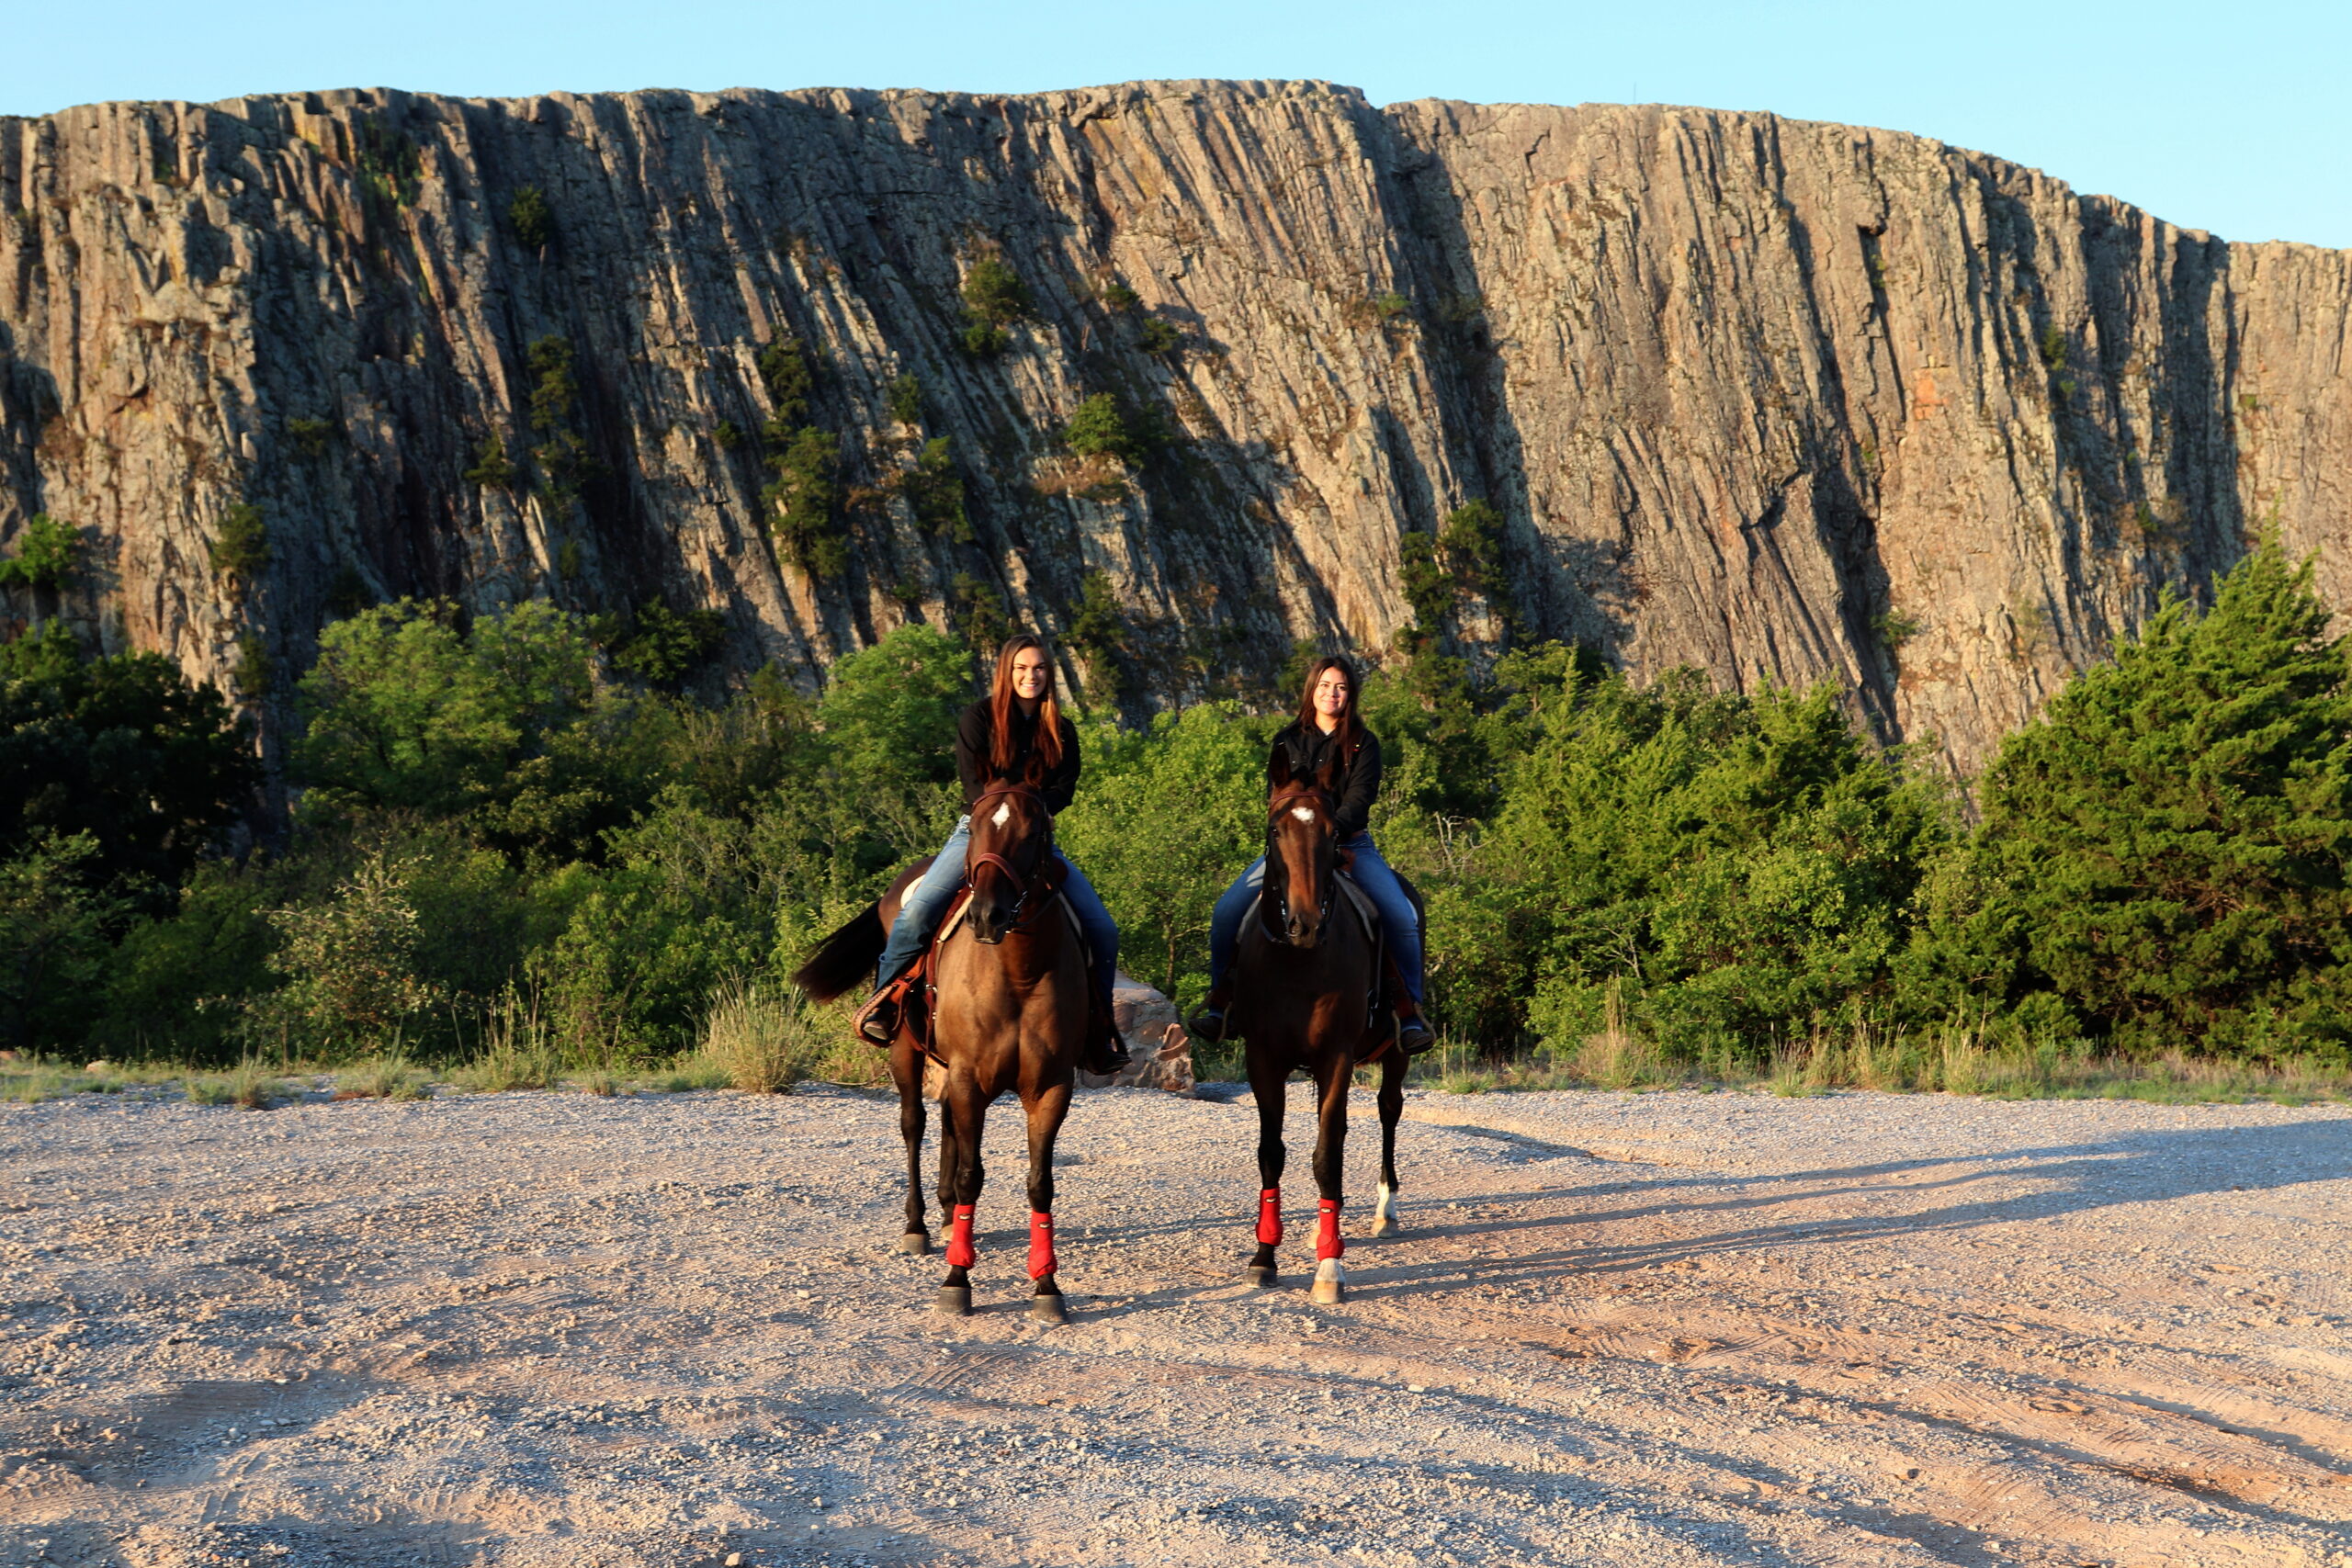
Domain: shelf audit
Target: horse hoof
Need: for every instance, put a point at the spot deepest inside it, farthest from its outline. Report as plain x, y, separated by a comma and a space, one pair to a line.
1261, 1276
1383, 1226
1330, 1283
1047, 1309
954, 1299
915, 1243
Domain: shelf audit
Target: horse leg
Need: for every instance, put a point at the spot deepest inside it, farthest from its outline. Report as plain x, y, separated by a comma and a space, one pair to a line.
1046, 1113
962, 1112
1392, 1110
906, 1067
1330, 1150
1268, 1086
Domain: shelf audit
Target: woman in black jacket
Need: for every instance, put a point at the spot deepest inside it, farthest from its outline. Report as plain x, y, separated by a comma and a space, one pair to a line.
1327, 727
1016, 734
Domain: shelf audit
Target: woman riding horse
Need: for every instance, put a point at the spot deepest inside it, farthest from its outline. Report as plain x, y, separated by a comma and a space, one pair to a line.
1014, 735
1325, 730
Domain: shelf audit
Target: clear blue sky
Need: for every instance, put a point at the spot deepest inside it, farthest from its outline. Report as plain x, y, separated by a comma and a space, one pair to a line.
2234, 118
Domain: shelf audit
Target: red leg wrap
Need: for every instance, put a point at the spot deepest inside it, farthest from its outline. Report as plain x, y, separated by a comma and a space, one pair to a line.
1327, 1234
1270, 1217
960, 1239
1041, 1245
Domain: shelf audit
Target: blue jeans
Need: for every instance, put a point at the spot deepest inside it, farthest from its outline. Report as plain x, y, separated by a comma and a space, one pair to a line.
925, 904
1371, 873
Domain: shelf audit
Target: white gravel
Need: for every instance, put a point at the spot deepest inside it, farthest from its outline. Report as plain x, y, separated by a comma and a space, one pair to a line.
1642, 1330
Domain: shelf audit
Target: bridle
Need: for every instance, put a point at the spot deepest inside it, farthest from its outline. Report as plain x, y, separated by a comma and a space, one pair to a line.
1285, 799
1038, 882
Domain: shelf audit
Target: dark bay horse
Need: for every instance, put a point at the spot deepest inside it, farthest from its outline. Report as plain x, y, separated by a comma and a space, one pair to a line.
1303, 980
1010, 1015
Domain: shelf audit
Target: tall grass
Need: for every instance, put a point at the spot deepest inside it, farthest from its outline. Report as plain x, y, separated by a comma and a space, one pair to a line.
760, 1041
518, 1048
1868, 1056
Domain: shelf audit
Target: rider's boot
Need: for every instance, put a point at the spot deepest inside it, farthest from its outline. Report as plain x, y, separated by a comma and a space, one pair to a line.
1207, 1022
876, 1022
1413, 1033
1105, 1052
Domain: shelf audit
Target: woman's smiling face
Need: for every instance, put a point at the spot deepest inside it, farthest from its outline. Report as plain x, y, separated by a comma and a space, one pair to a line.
1029, 677
1331, 694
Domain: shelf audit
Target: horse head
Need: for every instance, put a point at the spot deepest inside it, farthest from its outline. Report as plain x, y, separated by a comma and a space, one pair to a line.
1302, 853
1006, 858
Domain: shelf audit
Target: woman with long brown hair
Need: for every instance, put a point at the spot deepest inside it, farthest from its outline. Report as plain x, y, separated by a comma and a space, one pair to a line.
1327, 731
1014, 735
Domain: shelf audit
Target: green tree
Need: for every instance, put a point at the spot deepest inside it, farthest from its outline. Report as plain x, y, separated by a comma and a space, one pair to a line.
122, 752
1098, 428
240, 546
532, 217
54, 947
2164, 847
1164, 819
1740, 866
402, 710
1099, 631
47, 552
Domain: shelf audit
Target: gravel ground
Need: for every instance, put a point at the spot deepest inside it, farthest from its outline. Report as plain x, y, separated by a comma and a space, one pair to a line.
1658, 1330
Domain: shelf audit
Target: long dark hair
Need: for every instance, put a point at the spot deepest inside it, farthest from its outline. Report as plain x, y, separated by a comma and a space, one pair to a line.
1002, 698
1347, 729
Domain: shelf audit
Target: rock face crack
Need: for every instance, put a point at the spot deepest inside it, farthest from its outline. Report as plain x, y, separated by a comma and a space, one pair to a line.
2014, 415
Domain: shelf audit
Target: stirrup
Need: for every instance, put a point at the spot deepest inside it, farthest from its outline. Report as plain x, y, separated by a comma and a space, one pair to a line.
1207, 1023
877, 1022
1108, 1057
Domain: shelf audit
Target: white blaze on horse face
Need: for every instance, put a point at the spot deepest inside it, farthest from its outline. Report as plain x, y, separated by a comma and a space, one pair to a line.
1304, 813
1002, 813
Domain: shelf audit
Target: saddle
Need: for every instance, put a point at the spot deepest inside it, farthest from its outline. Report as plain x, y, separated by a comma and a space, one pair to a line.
921, 983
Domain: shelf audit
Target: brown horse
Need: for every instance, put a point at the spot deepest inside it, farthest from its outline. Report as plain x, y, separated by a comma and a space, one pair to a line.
1303, 981
1011, 1014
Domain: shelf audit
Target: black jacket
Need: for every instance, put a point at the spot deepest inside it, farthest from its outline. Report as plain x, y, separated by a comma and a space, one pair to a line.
976, 744
1358, 785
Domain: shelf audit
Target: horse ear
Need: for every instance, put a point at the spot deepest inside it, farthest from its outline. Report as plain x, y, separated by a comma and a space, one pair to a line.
1327, 777
1281, 772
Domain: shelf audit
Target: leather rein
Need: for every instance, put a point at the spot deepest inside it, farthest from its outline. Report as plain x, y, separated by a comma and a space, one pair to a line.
1041, 881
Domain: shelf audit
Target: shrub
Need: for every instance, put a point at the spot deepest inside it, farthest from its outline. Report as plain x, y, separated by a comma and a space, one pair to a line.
562, 453
934, 489
1120, 300
801, 499
240, 546
728, 434
1158, 336
906, 399
531, 219
47, 552
785, 371
1099, 428
492, 468
350, 966
312, 437
1099, 631
994, 293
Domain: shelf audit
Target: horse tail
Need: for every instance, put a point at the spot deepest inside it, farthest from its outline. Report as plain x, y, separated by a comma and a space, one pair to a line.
844, 959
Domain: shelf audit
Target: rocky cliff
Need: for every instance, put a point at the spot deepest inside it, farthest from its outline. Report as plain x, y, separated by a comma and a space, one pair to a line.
1778, 399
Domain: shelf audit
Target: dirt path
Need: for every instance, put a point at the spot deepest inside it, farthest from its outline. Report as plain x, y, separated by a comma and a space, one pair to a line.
1654, 1331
